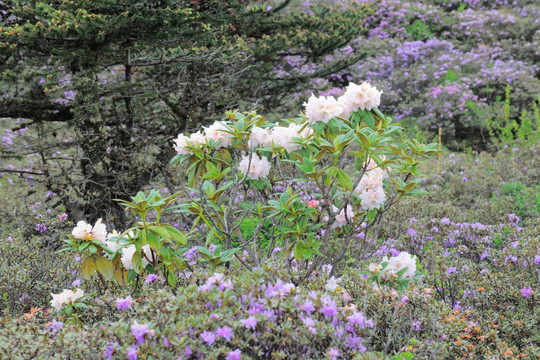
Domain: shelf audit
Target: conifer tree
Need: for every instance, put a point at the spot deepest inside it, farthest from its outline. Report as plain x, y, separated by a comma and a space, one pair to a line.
110, 83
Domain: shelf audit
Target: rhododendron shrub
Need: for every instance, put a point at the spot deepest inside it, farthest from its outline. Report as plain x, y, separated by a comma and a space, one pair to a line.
247, 167
150, 245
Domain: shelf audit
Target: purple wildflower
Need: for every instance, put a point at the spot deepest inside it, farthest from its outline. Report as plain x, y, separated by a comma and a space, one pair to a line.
132, 353
124, 304
109, 349
333, 352
234, 355
357, 318
150, 278
276, 250
451, 270
250, 322
41, 227
208, 337
225, 332
139, 330
526, 292
307, 306
54, 326
329, 307
405, 300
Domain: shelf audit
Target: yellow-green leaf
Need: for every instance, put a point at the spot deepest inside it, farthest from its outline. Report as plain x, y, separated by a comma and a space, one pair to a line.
88, 267
105, 268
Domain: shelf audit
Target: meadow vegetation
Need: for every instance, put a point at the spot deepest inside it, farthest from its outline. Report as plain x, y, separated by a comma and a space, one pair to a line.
386, 206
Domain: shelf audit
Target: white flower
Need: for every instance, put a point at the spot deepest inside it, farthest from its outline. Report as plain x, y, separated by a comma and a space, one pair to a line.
403, 260
283, 136
363, 97
332, 284
372, 198
218, 132
322, 108
260, 137
112, 244
341, 219
197, 138
79, 293
346, 107
374, 267
372, 178
66, 297
127, 256
82, 230
258, 169
85, 231
181, 143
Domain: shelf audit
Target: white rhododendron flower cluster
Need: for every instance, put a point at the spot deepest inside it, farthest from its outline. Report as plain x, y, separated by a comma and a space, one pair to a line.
99, 232
85, 231
181, 142
372, 198
127, 256
370, 188
283, 136
260, 136
397, 263
258, 168
363, 97
217, 132
66, 297
322, 108
277, 136
356, 97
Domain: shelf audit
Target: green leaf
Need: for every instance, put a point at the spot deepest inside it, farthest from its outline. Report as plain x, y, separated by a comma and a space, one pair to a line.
160, 231
369, 119
176, 234
136, 260
319, 127
153, 241
92, 248
84, 245
344, 180
104, 267
171, 279
371, 214
88, 267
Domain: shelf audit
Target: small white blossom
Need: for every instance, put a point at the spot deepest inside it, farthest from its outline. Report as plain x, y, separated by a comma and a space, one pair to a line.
259, 167
66, 297
85, 231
